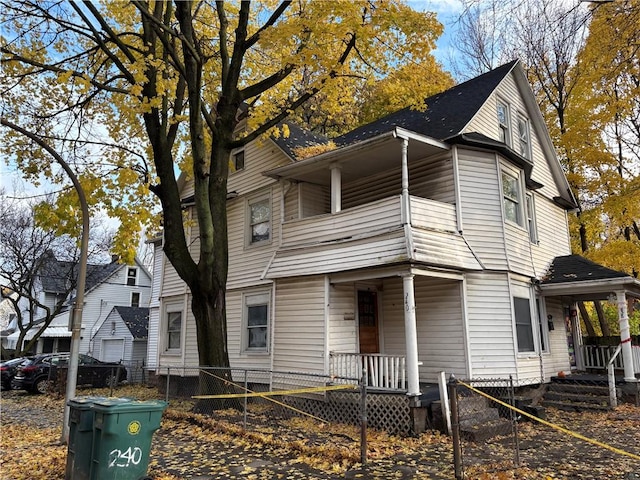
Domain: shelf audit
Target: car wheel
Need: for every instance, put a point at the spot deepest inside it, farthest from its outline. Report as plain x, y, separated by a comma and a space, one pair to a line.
41, 385
110, 380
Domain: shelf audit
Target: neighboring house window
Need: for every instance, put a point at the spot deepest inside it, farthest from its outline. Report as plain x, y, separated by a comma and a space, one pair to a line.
131, 276
256, 321
503, 122
512, 198
259, 220
237, 160
174, 330
524, 142
531, 218
135, 299
524, 329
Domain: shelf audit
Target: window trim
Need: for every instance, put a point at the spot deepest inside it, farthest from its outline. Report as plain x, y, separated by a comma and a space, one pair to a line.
523, 120
517, 201
266, 197
530, 213
130, 277
168, 310
252, 299
504, 127
233, 167
131, 299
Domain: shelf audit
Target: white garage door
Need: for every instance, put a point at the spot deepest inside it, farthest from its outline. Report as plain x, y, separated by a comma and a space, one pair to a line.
112, 350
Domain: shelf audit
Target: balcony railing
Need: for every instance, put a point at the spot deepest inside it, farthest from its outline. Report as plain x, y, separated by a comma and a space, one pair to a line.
596, 357
385, 372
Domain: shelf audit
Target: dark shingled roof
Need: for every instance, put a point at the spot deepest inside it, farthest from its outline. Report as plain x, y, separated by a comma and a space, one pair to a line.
136, 319
574, 268
57, 275
298, 138
446, 115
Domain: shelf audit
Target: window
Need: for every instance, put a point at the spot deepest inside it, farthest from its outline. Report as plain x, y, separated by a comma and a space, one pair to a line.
237, 160
256, 316
259, 221
531, 218
524, 145
135, 299
174, 330
544, 326
132, 273
503, 122
512, 198
524, 330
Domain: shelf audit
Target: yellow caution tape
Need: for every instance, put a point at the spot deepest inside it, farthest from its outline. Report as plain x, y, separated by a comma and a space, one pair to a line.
553, 425
280, 392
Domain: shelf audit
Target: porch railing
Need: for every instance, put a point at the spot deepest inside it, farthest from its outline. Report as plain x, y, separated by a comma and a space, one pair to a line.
597, 357
387, 372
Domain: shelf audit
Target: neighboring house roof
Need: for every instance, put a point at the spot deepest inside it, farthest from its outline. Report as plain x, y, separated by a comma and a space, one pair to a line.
446, 115
574, 268
136, 319
55, 274
297, 138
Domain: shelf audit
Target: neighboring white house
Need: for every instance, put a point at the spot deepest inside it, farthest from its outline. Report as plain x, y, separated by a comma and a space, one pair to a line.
8, 316
421, 244
107, 286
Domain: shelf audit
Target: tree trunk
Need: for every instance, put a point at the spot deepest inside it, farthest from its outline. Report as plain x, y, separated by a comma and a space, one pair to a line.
602, 319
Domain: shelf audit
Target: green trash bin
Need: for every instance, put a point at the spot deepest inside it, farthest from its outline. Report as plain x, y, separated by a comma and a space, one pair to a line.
80, 438
122, 434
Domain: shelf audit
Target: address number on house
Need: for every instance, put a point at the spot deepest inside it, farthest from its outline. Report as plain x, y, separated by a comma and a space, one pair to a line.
126, 458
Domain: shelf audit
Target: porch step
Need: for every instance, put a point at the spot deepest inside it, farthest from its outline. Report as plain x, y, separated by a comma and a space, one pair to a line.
575, 406
577, 398
578, 394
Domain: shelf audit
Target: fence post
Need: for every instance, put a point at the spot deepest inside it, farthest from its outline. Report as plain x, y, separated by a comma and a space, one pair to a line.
514, 421
363, 417
455, 427
166, 393
246, 390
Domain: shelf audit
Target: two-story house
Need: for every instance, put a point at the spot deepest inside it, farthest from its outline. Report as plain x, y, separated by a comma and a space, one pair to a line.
107, 285
421, 244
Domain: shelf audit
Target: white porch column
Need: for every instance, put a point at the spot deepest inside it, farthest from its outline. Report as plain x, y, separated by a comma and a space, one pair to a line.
625, 337
411, 336
336, 188
406, 207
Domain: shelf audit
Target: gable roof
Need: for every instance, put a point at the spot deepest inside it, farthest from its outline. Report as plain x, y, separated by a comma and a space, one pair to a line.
574, 268
446, 115
298, 138
55, 274
136, 319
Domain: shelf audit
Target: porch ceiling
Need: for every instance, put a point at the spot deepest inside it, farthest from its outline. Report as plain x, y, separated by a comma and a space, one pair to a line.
373, 156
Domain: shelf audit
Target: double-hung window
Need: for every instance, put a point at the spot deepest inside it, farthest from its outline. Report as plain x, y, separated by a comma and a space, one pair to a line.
173, 327
524, 140
502, 111
524, 328
259, 219
256, 321
512, 198
531, 218
237, 160
132, 274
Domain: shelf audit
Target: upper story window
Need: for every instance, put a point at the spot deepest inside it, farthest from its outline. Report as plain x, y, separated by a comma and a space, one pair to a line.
135, 299
259, 220
503, 122
531, 218
512, 198
524, 140
237, 160
132, 274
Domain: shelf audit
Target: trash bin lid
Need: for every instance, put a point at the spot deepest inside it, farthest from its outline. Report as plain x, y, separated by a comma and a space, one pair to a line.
84, 402
120, 405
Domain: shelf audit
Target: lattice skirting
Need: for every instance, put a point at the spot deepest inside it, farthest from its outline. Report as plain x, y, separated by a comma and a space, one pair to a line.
388, 412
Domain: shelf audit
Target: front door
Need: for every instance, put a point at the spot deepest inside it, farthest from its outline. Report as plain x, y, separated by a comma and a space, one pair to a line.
368, 321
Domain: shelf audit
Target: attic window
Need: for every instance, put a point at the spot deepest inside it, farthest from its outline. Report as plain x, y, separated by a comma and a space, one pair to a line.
237, 160
524, 142
503, 122
132, 273
135, 299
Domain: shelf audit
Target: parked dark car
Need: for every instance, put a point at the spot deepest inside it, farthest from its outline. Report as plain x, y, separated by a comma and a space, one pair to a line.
35, 374
8, 370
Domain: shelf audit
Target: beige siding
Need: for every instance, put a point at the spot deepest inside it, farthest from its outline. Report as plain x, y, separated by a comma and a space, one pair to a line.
315, 199
299, 339
259, 156
553, 234
291, 202
519, 249
481, 207
342, 319
558, 358
490, 325
439, 323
